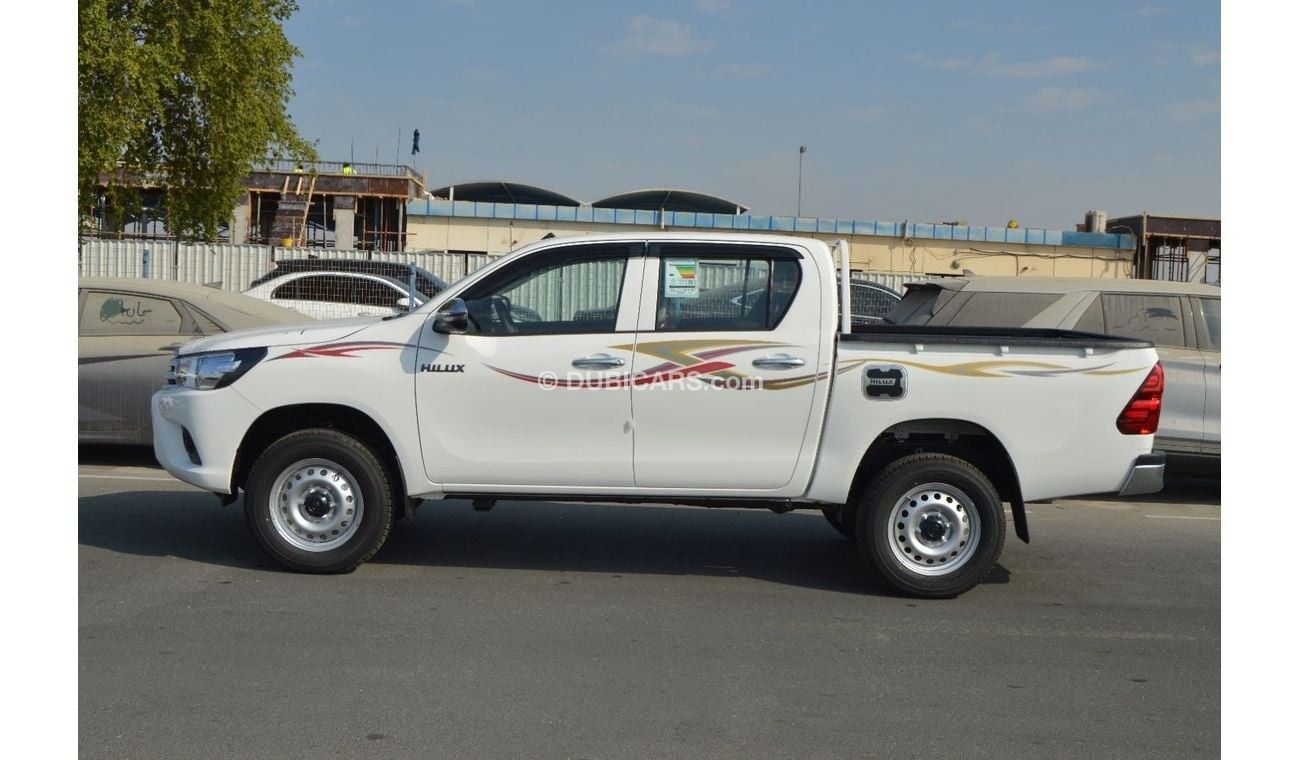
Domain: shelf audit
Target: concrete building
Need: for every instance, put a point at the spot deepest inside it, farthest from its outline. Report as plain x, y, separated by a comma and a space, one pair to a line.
498, 217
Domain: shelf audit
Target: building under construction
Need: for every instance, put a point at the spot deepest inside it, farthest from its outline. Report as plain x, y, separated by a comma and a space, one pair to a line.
1178, 248
326, 204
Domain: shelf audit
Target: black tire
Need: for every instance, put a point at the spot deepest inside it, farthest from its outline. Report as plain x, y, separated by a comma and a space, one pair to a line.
877, 532
836, 516
372, 481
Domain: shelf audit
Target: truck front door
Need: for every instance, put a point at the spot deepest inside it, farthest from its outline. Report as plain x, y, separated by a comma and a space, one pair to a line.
726, 367
537, 392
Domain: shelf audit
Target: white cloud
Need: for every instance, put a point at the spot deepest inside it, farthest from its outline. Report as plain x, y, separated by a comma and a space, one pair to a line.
941, 64
647, 35
865, 114
1057, 99
713, 6
992, 65
1147, 11
1164, 53
1192, 110
1061, 65
742, 70
995, 27
692, 111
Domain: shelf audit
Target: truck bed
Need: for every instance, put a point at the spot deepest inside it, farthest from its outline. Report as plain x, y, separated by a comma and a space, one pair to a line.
1035, 337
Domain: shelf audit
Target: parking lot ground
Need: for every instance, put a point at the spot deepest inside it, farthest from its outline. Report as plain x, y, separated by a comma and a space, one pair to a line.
594, 631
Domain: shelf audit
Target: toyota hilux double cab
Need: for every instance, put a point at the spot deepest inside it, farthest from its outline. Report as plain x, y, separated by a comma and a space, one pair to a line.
605, 369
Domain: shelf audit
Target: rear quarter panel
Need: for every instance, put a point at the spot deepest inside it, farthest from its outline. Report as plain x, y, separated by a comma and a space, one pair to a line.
1053, 409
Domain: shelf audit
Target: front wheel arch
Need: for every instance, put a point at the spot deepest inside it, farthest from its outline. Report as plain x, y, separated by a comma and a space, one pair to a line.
276, 423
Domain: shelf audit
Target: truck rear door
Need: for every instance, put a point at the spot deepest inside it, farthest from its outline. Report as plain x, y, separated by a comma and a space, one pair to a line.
725, 365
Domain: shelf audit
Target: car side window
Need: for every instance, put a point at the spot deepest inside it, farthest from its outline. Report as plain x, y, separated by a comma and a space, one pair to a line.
743, 291
109, 313
566, 290
988, 309
1210, 311
329, 288
1091, 320
1143, 316
375, 293
203, 324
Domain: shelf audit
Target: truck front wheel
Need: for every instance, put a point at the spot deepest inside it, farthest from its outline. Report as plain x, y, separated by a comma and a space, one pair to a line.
319, 501
931, 525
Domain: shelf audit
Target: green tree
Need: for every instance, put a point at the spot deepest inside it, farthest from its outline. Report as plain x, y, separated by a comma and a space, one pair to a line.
187, 94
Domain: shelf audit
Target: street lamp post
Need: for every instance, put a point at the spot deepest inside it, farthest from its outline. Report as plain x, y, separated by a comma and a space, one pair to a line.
798, 203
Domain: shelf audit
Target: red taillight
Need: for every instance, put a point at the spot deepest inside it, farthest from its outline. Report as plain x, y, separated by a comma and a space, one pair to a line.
1142, 415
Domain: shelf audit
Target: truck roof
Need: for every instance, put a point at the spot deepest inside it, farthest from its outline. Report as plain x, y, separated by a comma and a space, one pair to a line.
667, 235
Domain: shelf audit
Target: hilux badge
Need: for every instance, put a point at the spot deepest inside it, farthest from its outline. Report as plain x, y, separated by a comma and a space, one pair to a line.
442, 367
886, 382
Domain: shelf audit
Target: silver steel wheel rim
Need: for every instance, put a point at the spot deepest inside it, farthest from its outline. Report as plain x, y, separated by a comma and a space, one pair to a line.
934, 529
316, 505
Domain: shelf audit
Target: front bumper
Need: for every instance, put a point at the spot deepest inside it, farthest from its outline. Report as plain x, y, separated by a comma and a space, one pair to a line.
215, 421
1147, 475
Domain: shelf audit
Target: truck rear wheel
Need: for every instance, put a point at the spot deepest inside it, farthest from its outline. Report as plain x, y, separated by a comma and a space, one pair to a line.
319, 501
931, 525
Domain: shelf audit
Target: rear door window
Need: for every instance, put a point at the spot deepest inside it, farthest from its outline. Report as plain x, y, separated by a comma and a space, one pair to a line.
375, 293
107, 313
327, 288
1144, 316
1002, 309
1092, 321
741, 290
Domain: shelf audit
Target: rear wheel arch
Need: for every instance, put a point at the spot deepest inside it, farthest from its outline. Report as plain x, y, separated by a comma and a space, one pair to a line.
276, 423
960, 438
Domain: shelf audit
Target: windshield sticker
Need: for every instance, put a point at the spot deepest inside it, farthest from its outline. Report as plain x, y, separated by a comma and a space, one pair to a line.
680, 279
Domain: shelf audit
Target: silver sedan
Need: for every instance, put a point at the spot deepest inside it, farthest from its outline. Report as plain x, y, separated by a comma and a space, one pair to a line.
127, 331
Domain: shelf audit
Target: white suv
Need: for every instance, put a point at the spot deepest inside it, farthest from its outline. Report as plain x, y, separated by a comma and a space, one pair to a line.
1181, 319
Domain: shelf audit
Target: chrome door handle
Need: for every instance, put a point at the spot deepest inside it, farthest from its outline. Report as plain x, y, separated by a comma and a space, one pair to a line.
780, 361
597, 361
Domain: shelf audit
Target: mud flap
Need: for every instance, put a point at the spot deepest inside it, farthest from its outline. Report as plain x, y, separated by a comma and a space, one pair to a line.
1020, 518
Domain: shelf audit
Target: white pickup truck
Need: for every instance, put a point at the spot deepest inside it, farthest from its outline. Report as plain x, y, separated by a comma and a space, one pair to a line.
711, 370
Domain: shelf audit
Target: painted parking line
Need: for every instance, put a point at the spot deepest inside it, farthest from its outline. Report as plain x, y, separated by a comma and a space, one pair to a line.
1180, 517
92, 476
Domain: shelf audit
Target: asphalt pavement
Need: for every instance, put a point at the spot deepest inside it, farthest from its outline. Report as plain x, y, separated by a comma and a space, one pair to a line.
542, 630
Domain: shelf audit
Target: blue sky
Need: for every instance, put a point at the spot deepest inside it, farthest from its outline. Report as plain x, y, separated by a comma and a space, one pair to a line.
931, 111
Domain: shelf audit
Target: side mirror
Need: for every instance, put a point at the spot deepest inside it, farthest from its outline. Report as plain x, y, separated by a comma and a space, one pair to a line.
452, 318
403, 303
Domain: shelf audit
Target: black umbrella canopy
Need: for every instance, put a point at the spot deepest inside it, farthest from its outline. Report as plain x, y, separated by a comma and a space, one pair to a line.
499, 191
667, 199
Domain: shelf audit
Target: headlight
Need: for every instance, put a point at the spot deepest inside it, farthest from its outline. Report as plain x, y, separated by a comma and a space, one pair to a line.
216, 369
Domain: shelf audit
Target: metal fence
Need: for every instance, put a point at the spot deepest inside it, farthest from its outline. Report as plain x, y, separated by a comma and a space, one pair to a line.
235, 267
